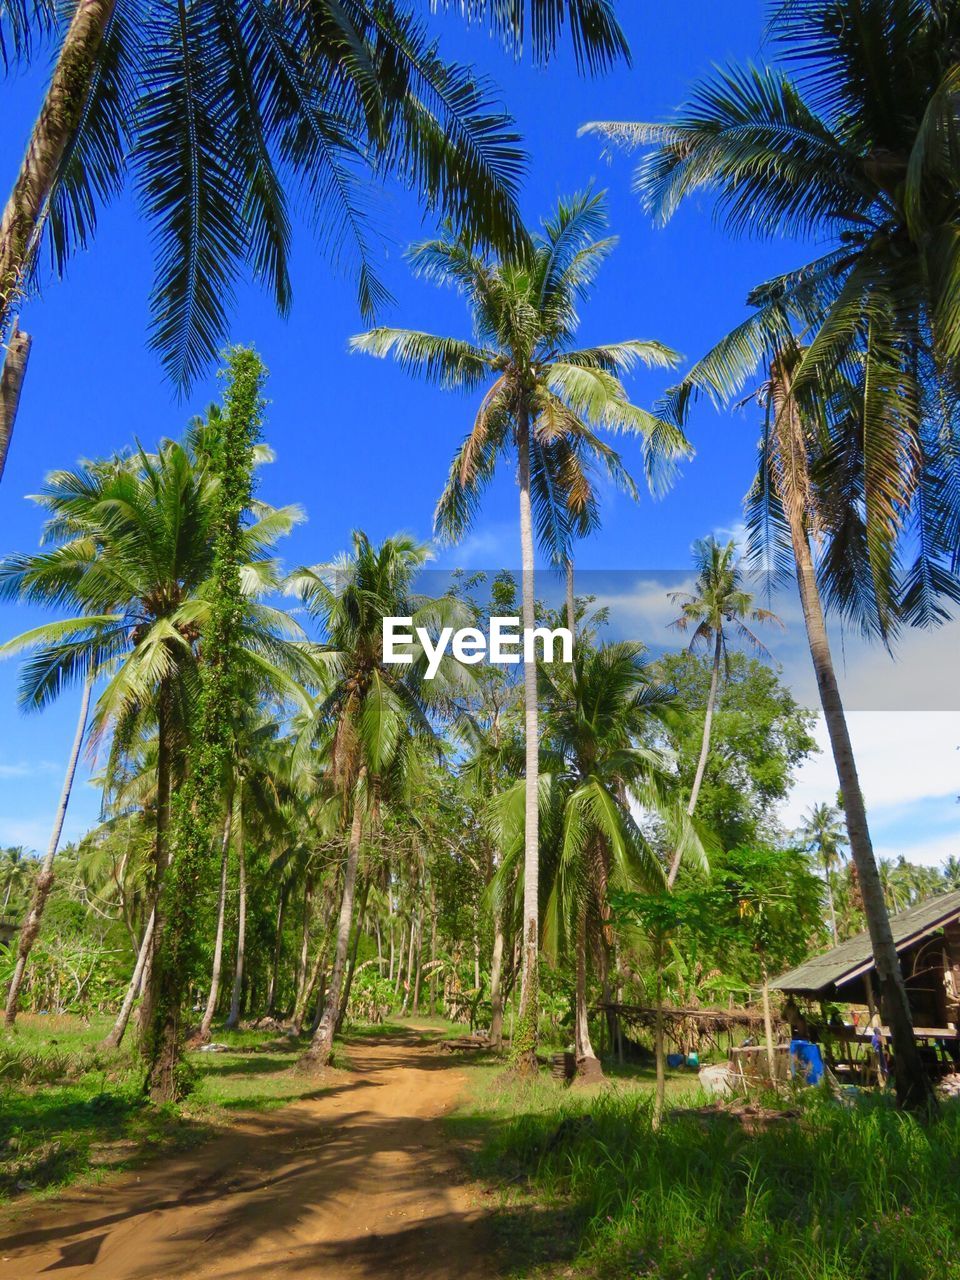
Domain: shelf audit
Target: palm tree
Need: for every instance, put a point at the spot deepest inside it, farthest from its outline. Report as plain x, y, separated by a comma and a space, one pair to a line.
597, 716
951, 873
822, 832
717, 601
131, 556
223, 111
368, 710
545, 403
861, 457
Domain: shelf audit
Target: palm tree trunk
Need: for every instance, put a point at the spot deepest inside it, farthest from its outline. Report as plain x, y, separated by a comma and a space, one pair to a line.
277, 950
352, 967
912, 1085
44, 882
211, 1008
321, 1045
234, 1019
53, 131
659, 1049
704, 747
571, 599
588, 1065
496, 985
433, 949
118, 1030
409, 978
525, 1035
11, 384
768, 1023
833, 909
161, 855
305, 933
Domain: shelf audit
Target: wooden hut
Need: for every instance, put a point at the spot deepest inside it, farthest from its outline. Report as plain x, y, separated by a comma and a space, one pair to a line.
927, 938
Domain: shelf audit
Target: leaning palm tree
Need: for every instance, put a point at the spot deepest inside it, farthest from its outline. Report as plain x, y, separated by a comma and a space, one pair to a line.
823, 834
546, 401
128, 553
717, 603
222, 113
859, 149
368, 711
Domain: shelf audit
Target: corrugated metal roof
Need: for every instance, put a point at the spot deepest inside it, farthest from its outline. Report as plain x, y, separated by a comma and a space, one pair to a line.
852, 957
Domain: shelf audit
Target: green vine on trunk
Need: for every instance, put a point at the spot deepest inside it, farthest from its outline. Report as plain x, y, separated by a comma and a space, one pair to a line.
197, 806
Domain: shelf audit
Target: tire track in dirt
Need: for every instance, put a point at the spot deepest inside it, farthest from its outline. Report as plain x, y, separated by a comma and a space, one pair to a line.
355, 1184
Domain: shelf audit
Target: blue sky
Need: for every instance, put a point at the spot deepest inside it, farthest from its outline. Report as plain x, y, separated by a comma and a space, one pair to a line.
360, 445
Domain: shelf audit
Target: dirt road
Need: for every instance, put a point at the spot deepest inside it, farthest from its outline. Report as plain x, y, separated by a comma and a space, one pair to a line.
356, 1183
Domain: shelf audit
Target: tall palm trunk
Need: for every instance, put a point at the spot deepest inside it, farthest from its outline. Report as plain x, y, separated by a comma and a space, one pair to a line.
588, 1065
352, 966
704, 746
570, 598
496, 984
161, 857
119, 1028
277, 951
53, 132
211, 1008
525, 1036
321, 1045
44, 882
11, 384
305, 933
234, 1018
912, 1084
832, 904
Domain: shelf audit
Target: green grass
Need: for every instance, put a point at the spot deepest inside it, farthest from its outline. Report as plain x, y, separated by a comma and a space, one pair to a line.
69, 1109
586, 1188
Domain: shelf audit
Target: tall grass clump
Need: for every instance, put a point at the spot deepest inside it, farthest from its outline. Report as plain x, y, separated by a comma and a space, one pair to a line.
858, 1193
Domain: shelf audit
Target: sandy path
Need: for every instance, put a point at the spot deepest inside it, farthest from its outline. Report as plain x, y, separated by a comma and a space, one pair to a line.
357, 1183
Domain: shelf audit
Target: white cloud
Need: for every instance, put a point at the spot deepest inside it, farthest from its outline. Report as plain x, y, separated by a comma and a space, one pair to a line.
903, 758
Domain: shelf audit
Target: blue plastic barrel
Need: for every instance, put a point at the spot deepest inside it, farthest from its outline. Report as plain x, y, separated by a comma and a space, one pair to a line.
806, 1061
675, 1059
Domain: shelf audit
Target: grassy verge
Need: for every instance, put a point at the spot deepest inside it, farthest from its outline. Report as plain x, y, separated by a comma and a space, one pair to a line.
69, 1109
586, 1188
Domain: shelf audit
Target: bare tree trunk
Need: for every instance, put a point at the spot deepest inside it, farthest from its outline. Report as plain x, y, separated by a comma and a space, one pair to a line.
660, 1092
352, 967
161, 856
234, 1019
768, 1024
305, 934
376, 925
406, 986
833, 909
571, 598
525, 1037
704, 748
118, 1030
44, 882
53, 131
913, 1086
588, 1065
211, 1008
433, 948
401, 952
11, 384
418, 972
496, 984
277, 951
321, 1045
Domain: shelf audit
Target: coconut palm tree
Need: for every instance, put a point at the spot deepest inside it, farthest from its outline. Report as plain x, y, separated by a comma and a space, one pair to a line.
221, 113
130, 555
717, 602
597, 715
822, 833
545, 402
861, 460
367, 711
